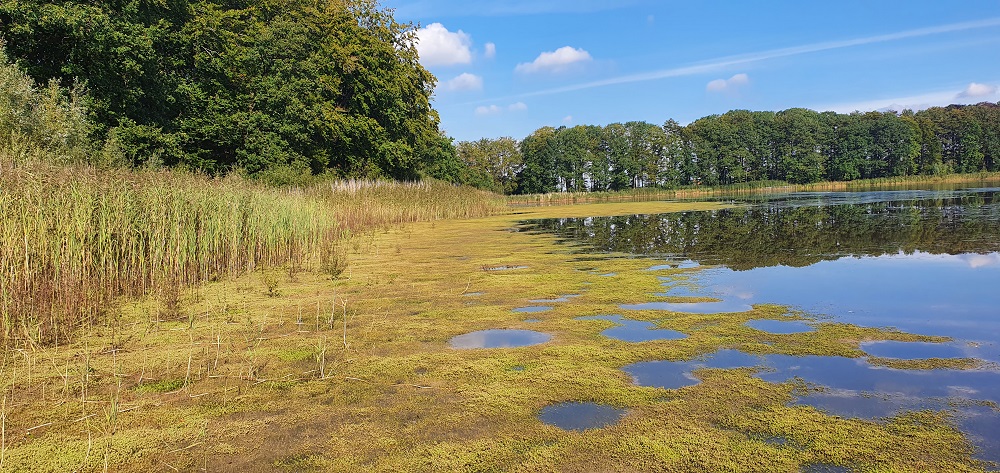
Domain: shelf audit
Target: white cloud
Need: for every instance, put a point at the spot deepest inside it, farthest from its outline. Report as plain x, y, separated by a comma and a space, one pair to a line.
978, 90
914, 102
465, 81
439, 47
496, 109
555, 61
728, 85
722, 63
567, 119
490, 50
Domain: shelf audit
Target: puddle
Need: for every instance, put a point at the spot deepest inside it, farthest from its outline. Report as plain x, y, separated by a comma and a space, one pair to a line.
473, 294
692, 307
912, 350
499, 339
824, 468
532, 321
532, 309
565, 298
580, 415
609, 275
777, 441
634, 330
780, 327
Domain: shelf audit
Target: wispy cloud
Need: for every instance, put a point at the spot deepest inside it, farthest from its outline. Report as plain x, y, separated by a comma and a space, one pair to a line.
496, 109
715, 65
728, 85
490, 50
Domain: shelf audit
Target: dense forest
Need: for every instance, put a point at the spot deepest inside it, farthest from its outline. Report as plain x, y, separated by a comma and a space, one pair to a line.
796, 145
287, 89
279, 87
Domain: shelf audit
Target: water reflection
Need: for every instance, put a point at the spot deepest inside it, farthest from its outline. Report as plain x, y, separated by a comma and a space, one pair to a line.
580, 415
912, 350
921, 261
499, 339
802, 229
851, 387
634, 330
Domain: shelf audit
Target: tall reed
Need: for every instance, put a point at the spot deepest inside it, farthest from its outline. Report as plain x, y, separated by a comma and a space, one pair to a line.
74, 238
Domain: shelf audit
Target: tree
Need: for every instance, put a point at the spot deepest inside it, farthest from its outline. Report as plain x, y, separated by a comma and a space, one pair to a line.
491, 164
218, 85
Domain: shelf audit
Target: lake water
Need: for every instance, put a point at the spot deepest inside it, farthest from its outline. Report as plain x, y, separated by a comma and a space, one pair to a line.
925, 262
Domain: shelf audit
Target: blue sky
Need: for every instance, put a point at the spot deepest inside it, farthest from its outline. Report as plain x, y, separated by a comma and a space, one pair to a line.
506, 68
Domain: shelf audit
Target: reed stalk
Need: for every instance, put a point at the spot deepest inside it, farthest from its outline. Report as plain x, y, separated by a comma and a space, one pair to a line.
76, 238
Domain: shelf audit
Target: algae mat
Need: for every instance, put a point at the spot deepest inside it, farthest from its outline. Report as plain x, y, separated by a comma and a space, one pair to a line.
291, 370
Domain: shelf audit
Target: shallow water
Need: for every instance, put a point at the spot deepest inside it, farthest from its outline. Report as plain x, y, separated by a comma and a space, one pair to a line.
499, 339
580, 415
913, 350
634, 330
921, 261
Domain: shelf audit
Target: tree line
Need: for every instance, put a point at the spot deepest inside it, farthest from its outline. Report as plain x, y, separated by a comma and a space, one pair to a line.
796, 145
279, 87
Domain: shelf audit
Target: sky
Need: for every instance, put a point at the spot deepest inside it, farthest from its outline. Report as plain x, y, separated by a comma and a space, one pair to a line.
509, 67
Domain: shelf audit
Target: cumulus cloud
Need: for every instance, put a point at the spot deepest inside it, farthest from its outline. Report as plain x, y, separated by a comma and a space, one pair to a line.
555, 61
978, 90
496, 109
439, 47
490, 50
567, 119
465, 81
727, 85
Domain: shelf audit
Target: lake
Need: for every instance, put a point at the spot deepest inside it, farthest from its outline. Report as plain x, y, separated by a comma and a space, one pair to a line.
922, 261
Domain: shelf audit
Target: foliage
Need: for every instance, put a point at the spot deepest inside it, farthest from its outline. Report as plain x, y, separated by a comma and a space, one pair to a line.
37, 121
799, 146
217, 86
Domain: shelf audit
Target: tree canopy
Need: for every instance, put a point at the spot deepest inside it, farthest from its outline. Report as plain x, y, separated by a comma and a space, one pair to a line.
217, 85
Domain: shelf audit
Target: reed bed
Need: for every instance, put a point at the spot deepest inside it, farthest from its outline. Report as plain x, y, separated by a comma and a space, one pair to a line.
73, 239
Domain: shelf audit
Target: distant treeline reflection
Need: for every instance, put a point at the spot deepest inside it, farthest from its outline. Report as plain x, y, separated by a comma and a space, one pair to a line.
782, 233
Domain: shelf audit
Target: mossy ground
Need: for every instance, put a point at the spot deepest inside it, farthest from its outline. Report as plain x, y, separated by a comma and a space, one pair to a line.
301, 372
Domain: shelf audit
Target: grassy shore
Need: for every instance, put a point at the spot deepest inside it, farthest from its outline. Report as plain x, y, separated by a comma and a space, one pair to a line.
277, 370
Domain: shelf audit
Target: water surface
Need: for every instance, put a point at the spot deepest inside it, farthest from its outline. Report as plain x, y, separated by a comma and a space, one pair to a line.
921, 261
499, 339
580, 415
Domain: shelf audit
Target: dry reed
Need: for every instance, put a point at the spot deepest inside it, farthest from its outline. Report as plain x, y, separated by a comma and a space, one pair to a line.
75, 238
